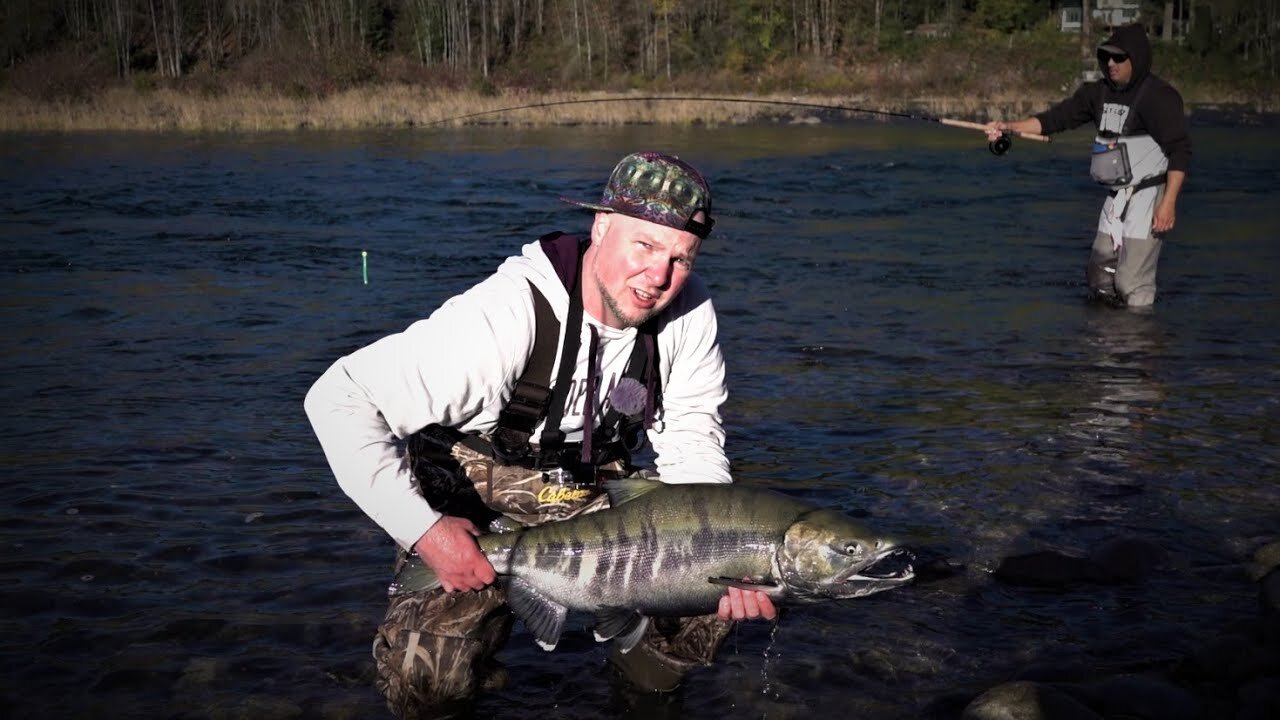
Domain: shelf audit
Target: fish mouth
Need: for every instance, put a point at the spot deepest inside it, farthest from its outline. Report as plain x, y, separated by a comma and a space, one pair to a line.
888, 569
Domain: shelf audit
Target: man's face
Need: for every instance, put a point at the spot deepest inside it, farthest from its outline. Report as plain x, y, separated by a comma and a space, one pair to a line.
634, 268
1120, 72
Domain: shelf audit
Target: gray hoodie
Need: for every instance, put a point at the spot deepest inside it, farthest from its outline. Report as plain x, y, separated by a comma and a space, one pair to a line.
1159, 114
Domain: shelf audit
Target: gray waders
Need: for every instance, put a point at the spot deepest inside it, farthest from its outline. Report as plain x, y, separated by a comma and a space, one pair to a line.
1127, 277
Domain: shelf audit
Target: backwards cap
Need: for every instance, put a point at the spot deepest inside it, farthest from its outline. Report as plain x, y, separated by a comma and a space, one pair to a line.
660, 188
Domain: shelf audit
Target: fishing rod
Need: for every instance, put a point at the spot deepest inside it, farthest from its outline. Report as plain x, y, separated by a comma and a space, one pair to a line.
999, 146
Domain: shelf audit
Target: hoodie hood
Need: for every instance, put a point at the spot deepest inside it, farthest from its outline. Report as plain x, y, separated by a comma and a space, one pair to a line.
1132, 39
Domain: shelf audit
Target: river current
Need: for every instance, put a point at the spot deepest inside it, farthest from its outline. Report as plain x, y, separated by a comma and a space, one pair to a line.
908, 338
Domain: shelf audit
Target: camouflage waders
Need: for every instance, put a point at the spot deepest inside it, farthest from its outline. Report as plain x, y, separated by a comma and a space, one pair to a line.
435, 650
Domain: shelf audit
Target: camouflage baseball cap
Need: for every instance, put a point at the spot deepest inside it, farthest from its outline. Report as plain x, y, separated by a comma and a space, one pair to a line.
660, 188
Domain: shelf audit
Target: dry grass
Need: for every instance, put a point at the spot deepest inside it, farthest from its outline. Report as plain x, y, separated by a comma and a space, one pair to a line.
403, 105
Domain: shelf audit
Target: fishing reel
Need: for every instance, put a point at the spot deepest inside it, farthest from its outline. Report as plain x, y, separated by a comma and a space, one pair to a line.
1001, 145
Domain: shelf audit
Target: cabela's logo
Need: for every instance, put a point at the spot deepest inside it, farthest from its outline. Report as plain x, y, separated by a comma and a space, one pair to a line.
551, 495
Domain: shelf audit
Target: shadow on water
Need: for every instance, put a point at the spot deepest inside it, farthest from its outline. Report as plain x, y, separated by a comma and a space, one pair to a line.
904, 343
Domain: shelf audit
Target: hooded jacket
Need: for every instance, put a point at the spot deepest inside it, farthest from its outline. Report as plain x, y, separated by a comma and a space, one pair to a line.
1158, 114
459, 367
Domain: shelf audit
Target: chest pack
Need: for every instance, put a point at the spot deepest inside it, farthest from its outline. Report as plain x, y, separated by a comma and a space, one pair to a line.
536, 397
1109, 164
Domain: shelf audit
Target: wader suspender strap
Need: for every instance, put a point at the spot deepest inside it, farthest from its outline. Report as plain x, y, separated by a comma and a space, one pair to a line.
1144, 183
529, 398
1133, 108
552, 438
1153, 181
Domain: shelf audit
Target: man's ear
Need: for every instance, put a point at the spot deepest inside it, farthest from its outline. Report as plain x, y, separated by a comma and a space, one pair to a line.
599, 226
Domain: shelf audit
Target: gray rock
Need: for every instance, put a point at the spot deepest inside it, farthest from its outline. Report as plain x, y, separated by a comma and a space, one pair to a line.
1021, 700
1265, 560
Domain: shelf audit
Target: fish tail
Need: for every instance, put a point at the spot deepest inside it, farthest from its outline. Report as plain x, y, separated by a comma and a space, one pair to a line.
415, 576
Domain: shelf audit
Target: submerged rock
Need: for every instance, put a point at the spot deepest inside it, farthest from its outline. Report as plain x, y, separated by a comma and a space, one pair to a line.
1119, 560
1232, 673
1025, 700
1047, 569
1265, 560
1124, 559
1144, 696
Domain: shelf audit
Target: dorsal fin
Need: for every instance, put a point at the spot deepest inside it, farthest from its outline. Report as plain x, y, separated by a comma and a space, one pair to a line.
624, 490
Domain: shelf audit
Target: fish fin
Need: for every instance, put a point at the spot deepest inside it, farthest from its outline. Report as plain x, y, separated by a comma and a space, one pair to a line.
543, 616
414, 576
620, 624
743, 584
624, 490
633, 636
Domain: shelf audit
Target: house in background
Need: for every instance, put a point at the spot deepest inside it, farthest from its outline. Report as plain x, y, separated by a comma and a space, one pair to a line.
1112, 13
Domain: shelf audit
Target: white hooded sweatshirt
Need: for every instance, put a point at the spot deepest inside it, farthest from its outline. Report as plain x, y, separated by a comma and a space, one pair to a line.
458, 367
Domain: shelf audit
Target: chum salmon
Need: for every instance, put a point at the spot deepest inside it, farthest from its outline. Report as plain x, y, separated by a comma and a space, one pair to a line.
670, 550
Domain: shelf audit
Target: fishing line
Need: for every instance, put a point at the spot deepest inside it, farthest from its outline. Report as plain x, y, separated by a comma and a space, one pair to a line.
999, 146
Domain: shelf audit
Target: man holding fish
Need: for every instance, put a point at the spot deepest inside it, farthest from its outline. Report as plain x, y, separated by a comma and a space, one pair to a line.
458, 426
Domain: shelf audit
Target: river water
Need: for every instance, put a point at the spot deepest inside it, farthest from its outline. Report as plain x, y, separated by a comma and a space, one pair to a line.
908, 339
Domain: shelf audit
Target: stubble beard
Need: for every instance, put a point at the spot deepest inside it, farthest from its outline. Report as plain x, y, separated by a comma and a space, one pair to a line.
614, 309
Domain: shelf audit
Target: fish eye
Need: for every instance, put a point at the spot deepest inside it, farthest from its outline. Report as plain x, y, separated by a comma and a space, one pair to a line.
852, 548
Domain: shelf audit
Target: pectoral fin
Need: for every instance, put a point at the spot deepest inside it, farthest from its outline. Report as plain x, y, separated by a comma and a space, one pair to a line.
543, 616
621, 625
743, 584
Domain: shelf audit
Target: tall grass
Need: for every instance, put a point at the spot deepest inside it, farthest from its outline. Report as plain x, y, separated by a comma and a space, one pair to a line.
383, 106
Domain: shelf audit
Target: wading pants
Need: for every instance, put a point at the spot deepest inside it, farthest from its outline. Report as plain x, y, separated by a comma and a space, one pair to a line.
1126, 276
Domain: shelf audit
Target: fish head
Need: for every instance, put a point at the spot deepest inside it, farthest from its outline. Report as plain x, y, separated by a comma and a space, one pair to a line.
826, 555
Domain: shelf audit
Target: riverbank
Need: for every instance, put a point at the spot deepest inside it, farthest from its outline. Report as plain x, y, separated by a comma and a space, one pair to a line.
402, 105
284, 90
298, 80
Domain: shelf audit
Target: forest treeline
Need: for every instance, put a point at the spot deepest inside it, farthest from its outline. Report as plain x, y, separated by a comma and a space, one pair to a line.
565, 42
60, 49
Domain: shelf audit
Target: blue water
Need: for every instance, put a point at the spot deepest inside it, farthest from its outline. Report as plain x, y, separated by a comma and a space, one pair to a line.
908, 339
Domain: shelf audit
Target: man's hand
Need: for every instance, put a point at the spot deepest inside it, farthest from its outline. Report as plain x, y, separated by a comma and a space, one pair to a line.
1028, 126
449, 548
746, 605
1165, 217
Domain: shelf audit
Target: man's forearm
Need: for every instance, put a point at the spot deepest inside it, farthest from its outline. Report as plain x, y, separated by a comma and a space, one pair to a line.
1173, 185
